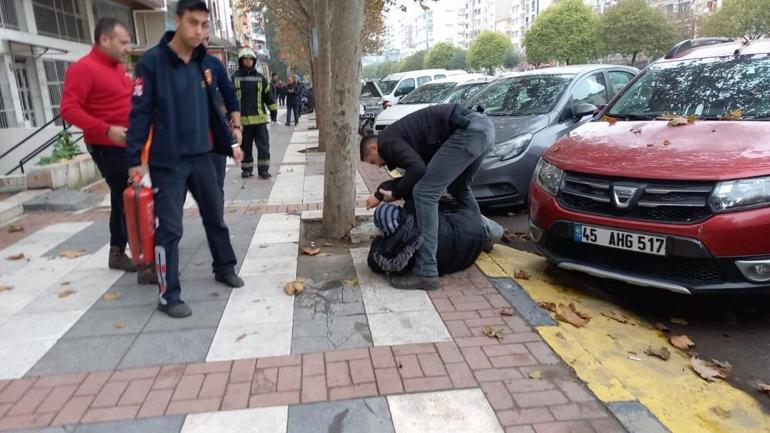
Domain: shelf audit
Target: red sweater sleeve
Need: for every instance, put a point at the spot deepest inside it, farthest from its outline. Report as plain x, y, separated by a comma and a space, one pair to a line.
77, 85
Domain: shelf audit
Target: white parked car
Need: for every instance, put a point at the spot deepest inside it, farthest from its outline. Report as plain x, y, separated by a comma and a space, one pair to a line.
396, 85
453, 89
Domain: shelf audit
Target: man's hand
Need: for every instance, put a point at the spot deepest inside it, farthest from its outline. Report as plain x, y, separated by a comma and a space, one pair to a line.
134, 170
387, 196
237, 154
372, 202
117, 134
238, 134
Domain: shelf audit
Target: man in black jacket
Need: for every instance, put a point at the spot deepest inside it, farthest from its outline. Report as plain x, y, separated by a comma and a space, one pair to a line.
440, 149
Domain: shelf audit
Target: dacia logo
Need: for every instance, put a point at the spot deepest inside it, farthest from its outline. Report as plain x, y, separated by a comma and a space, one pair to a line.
623, 196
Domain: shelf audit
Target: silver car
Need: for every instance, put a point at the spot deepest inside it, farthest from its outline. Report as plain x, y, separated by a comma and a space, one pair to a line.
531, 110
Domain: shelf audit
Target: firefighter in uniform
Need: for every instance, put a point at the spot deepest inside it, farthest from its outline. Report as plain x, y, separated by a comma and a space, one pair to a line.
256, 99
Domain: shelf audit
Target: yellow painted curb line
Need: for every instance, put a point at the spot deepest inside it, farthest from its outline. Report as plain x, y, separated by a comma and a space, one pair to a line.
609, 357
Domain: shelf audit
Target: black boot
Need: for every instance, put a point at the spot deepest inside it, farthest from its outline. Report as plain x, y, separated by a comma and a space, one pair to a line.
120, 261
415, 282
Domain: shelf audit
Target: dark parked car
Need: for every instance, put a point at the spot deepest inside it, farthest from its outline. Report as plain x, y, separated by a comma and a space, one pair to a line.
531, 110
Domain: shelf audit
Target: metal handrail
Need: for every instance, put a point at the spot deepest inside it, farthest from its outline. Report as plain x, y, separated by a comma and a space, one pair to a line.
29, 137
43, 147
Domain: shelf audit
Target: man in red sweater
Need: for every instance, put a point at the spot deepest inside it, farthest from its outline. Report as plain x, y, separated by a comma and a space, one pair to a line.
97, 99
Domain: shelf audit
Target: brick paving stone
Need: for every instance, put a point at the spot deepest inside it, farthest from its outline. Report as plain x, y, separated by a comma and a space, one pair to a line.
26, 421
359, 390
135, 373
4, 383
449, 352
29, 402
73, 411
528, 385
408, 366
462, 315
497, 395
492, 375
542, 352
15, 390
513, 360
193, 406
476, 358
188, 387
313, 364
56, 399
110, 394
574, 391
208, 367
313, 388
483, 305
274, 399
389, 381
496, 300
564, 427
289, 378
517, 324
539, 398
337, 374
361, 371
523, 337
156, 403
414, 349
525, 416
347, 355
4, 408
425, 384
265, 380
214, 385
461, 375
476, 342
431, 364
243, 370
110, 414
136, 392
519, 429
457, 328
575, 411
505, 349
607, 425
443, 305
65, 379
169, 376
279, 361
236, 396
382, 357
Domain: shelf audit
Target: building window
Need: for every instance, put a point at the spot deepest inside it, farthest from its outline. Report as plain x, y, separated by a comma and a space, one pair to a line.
54, 77
106, 8
23, 83
8, 18
7, 116
65, 19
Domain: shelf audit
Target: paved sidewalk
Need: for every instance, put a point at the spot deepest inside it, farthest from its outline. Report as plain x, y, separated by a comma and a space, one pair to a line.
83, 348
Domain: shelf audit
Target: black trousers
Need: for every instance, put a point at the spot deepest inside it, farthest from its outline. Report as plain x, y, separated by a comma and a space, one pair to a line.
111, 161
292, 107
256, 134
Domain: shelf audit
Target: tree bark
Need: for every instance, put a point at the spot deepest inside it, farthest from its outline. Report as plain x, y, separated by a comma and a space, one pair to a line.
633, 59
339, 180
322, 73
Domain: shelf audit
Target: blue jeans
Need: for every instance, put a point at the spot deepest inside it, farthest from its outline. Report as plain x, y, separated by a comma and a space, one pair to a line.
451, 169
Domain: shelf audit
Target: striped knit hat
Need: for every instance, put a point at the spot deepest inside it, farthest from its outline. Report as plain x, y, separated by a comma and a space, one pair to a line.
386, 218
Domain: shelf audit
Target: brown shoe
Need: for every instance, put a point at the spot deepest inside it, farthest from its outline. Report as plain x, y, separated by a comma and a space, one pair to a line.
147, 275
119, 260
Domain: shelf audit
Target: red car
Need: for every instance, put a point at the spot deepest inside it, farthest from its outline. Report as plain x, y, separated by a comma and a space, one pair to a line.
670, 186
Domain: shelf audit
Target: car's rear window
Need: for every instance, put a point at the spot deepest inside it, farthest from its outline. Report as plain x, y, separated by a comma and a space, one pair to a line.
522, 96
429, 93
715, 88
387, 85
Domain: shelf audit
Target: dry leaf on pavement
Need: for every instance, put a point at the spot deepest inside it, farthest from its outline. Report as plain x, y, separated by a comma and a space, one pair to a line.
72, 254
614, 315
535, 374
570, 315
491, 333
111, 296
724, 365
706, 369
351, 282
66, 283
678, 321
521, 275
550, 306
5, 288
294, 288
120, 325
66, 293
506, 311
14, 229
763, 387
15, 257
681, 341
660, 352
311, 251
240, 337
661, 327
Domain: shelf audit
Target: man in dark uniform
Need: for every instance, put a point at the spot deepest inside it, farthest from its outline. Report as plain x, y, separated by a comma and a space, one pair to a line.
173, 111
440, 149
254, 95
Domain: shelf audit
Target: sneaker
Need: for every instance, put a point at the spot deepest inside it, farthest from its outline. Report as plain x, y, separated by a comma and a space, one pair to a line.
245, 174
147, 275
177, 311
230, 280
414, 282
119, 260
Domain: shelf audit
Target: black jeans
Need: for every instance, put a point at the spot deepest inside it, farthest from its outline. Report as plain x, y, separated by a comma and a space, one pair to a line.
111, 161
256, 134
292, 107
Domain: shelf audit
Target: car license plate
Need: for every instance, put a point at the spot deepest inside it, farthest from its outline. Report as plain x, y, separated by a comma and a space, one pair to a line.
619, 239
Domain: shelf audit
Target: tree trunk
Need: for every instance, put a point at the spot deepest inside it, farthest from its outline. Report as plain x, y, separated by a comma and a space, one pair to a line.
322, 74
633, 58
339, 179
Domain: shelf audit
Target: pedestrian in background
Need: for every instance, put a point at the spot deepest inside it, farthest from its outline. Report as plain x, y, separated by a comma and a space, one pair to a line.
97, 99
293, 96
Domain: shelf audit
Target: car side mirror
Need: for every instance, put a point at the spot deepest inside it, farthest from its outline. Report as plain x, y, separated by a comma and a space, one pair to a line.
583, 109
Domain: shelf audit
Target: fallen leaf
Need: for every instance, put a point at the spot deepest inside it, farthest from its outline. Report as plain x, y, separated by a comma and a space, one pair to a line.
724, 365
681, 341
240, 337
311, 251
66, 293
660, 352
14, 229
506, 311
351, 282
722, 413
535, 374
120, 325
549, 306
678, 321
734, 115
66, 283
614, 315
570, 315
491, 333
5, 288
661, 327
763, 387
666, 142
636, 131
691, 118
111, 296
294, 288
15, 257
706, 369
610, 120
521, 275
71, 254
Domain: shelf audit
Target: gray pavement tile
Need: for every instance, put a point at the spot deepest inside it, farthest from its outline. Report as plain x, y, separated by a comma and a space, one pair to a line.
76, 355
60, 429
520, 300
145, 295
636, 418
370, 415
352, 294
204, 289
168, 424
90, 239
160, 348
111, 321
331, 333
205, 315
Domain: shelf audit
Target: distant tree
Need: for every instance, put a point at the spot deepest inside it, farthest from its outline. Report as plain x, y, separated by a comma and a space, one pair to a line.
440, 56
565, 32
632, 27
488, 51
413, 62
458, 59
512, 58
739, 18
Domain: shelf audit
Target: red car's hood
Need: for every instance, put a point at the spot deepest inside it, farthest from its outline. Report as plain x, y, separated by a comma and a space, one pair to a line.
703, 150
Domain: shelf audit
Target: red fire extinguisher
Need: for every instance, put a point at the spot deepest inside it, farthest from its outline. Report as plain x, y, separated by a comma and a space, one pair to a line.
140, 214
